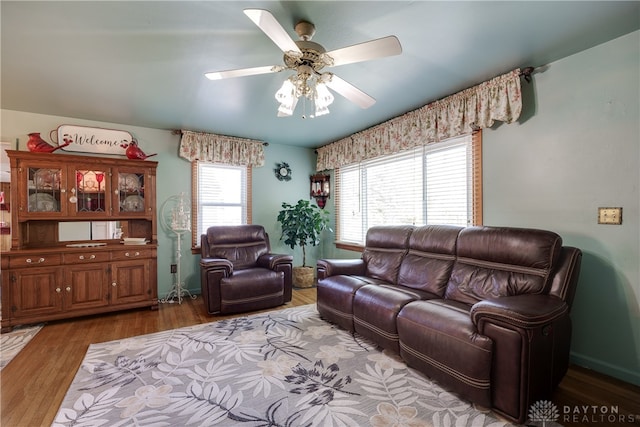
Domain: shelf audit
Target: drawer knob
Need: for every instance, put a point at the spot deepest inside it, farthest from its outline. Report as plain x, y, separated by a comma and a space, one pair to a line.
130, 255
30, 261
58, 290
68, 289
114, 284
91, 257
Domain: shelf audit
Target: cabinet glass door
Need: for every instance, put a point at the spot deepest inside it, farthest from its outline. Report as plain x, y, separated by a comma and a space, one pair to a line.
90, 190
44, 190
131, 192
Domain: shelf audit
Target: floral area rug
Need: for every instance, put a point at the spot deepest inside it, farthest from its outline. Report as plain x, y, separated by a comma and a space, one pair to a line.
282, 368
12, 342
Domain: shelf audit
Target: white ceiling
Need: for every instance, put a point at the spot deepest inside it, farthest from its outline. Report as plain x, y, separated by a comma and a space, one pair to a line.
142, 63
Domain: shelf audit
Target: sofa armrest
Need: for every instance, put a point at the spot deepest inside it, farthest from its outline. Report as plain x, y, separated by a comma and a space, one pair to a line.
212, 271
272, 261
334, 267
521, 311
210, 264
531, 337
281, 263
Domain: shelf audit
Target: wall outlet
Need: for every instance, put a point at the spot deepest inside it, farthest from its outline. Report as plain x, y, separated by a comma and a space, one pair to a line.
174, 268
610, 216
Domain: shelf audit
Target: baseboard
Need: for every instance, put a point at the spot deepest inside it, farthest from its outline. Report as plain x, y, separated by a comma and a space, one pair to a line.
606, 368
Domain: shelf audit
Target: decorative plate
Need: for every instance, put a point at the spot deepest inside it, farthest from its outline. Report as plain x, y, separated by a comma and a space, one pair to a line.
128, 182
42, 202
283, 171
47, 179
133, 203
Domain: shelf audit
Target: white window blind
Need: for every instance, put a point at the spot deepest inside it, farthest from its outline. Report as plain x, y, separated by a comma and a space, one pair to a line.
433, 184
222, 196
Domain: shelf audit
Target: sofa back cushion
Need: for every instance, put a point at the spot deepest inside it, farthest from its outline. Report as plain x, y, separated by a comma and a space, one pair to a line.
427, 266
385, 246
240, 244
501, 261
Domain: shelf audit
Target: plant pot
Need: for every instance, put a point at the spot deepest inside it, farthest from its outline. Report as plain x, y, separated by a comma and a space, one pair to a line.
303, 277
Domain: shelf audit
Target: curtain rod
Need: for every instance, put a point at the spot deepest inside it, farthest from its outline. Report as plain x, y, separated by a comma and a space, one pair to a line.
526, 73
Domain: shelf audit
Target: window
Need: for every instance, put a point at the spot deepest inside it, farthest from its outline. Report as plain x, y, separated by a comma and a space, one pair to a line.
438, 183
222, 196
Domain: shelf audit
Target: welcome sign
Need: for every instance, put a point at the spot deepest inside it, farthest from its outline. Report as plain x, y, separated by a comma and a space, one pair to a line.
93, 140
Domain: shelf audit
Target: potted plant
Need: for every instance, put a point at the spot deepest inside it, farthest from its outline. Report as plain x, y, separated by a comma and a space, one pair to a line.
302, 224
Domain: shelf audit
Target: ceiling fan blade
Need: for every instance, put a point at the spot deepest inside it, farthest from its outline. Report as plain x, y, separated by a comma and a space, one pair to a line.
217, 75
378, 48
350, 92
272, 28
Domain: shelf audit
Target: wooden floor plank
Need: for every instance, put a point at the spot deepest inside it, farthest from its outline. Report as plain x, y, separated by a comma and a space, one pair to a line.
34, 383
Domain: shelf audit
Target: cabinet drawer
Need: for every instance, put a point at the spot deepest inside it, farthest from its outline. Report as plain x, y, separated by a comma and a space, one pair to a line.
132, 253
22, 261
85, 257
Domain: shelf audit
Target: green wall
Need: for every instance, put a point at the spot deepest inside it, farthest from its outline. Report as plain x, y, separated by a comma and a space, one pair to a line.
575, 148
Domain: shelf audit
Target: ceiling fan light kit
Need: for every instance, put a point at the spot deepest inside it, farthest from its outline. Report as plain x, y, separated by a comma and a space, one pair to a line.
307, 59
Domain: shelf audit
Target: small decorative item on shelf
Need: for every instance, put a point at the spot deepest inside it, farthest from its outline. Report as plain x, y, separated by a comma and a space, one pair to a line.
283, 171
38, 145
134, 152
320, 188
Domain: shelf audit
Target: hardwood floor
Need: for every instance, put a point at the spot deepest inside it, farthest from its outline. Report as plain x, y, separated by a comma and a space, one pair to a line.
33, 385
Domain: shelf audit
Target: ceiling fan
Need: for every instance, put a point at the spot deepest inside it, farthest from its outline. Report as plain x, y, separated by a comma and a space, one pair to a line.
308, 59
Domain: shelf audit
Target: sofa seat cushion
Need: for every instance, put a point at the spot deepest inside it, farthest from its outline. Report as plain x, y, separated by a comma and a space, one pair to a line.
375, 308
335, 298
438, 338
251, 289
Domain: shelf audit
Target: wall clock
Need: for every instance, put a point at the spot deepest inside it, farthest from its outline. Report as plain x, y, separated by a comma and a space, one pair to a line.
283, 171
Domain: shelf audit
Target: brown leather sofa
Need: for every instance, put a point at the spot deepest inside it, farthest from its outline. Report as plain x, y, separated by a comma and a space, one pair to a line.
239, 273
484, 311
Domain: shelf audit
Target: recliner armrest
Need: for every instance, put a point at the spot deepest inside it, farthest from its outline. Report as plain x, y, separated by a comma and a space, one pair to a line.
272, 261
334, 267
522, 311
217, 264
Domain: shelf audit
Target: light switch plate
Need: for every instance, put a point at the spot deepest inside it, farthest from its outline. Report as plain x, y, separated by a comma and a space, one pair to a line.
610, 216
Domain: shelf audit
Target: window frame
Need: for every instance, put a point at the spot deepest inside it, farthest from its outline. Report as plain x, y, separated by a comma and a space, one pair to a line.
475, 189
195, 201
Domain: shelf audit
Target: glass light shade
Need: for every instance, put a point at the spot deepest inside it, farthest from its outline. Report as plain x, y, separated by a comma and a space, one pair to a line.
296, 86
323, 99
287, 98
286, 93
286, 110
323, 96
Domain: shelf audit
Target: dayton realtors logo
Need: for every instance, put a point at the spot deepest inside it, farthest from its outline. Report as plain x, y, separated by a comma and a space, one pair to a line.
544, 411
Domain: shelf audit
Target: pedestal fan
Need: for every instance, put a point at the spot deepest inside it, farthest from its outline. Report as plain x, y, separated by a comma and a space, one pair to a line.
175, 216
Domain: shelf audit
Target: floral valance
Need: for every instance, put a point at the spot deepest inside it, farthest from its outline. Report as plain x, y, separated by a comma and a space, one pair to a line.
474, 108
224, 149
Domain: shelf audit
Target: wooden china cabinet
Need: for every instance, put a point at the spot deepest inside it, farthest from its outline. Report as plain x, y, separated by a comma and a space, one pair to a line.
69, 214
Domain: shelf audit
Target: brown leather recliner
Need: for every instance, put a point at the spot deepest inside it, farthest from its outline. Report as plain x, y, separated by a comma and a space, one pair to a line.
239, 273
